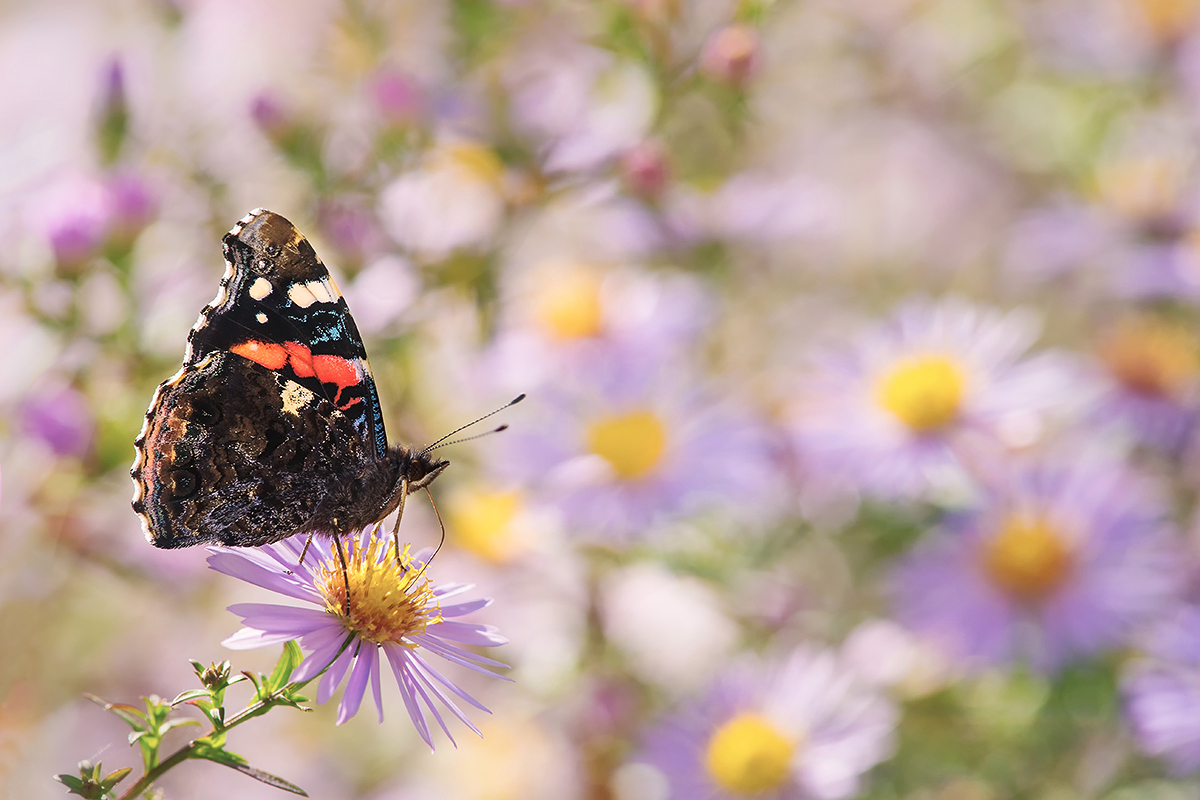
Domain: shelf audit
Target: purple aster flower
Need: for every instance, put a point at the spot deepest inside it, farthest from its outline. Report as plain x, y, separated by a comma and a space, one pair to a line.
1059, 563
394, 611
620, 448
802, 729
1162, 692
939, 383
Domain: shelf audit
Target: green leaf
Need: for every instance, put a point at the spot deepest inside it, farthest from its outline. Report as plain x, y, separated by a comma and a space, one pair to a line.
74, 785
288, 661
176, 723
234, 761
131, 714
189, 695
115, 777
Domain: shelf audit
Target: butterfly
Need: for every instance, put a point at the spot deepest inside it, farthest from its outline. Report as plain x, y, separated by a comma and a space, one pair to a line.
272, 427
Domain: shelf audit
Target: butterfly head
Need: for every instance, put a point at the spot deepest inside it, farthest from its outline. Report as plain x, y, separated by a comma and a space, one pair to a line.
420, 468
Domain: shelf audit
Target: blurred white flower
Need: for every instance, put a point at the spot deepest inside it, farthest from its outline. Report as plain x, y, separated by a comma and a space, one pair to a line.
452, 201
672, 628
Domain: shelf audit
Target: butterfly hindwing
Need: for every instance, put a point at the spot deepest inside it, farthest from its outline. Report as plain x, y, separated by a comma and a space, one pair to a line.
235, 454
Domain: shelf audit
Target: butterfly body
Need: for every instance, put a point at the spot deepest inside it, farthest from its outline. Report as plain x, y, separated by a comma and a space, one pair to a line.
272, 427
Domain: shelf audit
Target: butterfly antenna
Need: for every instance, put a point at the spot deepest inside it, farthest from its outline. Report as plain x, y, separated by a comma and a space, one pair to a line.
466, 439
442, 541
439, 442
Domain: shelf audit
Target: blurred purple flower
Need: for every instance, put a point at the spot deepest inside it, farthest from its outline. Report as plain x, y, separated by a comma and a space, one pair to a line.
939, 382
270, 115
393, 610
1059, 563
616, 452
1162, 692
60, 417
350, 226
580, 103
799, 729
1153, 367
133, 204
564, 315
73, 215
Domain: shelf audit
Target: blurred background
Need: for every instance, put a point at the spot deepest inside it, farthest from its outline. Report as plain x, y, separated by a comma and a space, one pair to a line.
861, 345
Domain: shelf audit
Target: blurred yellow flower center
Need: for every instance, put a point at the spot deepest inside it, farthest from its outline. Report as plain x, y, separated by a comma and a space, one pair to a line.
569, 306
633, 443
475, 160
388, 601
1142, 187
481, 523
1167, 19
1028, 558
749, 755
1152, 358
924, 392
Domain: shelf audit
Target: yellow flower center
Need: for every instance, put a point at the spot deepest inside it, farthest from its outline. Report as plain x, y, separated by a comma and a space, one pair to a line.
569, 306
1167, 19
388, 601
475, 160
1152, 358
924, 392
633, 443
1028, 558
749, 755
481, 523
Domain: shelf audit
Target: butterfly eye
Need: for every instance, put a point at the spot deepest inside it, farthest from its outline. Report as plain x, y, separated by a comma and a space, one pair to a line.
272, 250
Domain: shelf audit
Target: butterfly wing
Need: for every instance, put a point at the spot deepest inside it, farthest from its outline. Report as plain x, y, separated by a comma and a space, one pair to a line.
279, 307
274, 416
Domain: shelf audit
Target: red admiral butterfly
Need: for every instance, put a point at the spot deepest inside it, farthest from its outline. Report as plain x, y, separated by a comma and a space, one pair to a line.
272, 427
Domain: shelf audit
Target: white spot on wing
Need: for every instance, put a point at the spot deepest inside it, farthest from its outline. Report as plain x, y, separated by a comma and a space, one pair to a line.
260, 288
261, 317
295, 397
301, 295
322, 291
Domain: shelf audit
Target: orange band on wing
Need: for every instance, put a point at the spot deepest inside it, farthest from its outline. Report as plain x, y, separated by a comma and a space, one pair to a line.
271, 356
336, 370
341, 372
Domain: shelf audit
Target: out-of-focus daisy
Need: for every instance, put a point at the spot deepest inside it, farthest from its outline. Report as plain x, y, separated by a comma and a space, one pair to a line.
563, 314
802, 729
1162, 692
618, 450
1060, 563
452, 201
1155, 370
393, 610
903, 406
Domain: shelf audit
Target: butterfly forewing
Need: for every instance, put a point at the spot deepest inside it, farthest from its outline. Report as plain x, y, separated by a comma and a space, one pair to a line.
272, 426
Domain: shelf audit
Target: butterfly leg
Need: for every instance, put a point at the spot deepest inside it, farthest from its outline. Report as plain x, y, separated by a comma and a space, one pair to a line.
304, 550
337, 540
399, 514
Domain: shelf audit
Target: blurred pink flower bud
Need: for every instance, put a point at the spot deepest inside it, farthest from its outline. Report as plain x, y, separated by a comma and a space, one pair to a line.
645, 169
731, 55
398, 97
